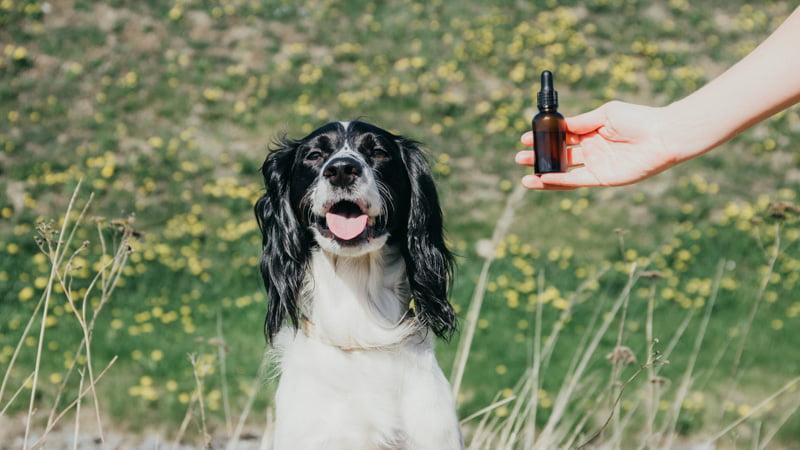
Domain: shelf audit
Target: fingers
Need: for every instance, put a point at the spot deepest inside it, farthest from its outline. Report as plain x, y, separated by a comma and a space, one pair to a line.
574, 157
524, 158
535, 182
566, 181
589, 121
527, 139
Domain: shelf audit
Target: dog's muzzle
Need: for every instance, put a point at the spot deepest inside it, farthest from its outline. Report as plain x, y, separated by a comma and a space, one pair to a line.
346, 214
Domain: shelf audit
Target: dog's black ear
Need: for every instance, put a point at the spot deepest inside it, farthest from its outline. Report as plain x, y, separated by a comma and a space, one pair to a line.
429, 263
284, 256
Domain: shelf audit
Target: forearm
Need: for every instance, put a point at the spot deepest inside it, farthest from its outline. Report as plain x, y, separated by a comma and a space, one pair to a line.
764, 82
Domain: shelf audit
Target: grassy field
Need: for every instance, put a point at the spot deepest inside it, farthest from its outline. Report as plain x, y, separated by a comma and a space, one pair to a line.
164, 111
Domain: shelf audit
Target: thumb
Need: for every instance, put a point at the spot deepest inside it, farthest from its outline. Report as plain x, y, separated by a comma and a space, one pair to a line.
587, 122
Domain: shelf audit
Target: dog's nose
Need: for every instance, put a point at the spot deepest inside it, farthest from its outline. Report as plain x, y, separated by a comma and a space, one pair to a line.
342, 171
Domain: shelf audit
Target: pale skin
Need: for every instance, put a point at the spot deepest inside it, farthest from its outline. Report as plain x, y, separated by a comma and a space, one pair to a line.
622, 143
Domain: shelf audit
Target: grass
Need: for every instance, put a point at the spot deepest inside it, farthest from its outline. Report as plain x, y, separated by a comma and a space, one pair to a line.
584, 409
670, 413
165, 111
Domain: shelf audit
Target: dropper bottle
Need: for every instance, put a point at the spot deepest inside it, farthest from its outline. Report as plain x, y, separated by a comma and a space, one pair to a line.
549, 131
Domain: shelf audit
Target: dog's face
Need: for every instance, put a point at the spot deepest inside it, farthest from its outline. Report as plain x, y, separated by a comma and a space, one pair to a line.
350, 187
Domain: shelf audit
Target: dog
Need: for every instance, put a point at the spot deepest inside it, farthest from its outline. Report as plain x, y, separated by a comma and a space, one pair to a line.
357, 272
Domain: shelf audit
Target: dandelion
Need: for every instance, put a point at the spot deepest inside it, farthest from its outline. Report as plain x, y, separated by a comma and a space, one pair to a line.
130, 80
175, 13
502, 411
744, 409
19, 53
239, 107
483, 107
25, 294
212, 94
155, 142
512, 298
560, 304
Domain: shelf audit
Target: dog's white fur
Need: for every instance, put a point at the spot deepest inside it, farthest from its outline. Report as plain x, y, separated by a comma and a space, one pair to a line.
358, 375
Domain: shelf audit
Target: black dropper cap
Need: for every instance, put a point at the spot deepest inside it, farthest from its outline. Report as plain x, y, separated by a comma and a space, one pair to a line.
547, 97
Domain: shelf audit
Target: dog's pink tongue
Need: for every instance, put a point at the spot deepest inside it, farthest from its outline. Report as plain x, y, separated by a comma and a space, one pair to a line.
346, 228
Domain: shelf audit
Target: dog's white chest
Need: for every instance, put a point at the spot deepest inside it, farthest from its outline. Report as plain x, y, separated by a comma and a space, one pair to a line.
395, 398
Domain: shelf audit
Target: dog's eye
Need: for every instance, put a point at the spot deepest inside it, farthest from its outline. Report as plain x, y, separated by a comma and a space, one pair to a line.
379, 153
314, 155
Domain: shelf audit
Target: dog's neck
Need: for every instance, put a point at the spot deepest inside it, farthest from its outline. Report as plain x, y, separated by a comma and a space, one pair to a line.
357, 302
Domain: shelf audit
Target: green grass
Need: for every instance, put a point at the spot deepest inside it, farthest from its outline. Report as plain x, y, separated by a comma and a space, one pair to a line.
165, 110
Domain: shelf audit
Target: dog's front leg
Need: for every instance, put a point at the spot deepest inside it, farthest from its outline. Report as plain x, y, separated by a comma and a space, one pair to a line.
429, 411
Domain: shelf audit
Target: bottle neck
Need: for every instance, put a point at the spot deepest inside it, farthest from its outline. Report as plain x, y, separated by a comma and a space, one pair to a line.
547, 100
548, 108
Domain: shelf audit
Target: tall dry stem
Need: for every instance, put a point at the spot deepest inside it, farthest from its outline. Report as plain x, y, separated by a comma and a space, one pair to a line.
756, 409
237, 432
55, 254
670, 425
69, 407
465, 343
199, 376
776, 251
650, 341
222, 351
548, 437
57, 244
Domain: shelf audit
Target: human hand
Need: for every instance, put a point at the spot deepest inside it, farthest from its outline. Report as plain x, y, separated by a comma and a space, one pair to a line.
614, 145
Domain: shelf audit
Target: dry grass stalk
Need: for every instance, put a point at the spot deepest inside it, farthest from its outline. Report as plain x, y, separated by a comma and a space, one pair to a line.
222, 350
671, 423
776, 252
198, 379
549, 437
756, 409
465, 343
258, 381
55, 255
69, 407
56, 244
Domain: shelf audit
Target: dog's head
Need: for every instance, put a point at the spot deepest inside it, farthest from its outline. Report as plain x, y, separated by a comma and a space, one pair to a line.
350, 188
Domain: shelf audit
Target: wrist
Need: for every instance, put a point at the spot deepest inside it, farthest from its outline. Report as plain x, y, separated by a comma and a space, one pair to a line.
688, 132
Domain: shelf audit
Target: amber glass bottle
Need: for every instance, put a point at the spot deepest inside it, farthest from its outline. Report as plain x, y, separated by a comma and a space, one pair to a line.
549, 131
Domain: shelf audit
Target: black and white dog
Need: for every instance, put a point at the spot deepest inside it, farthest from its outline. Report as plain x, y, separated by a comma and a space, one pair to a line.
352, 232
